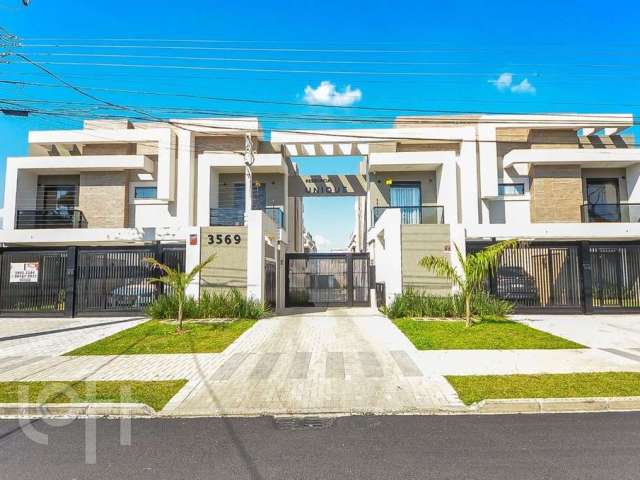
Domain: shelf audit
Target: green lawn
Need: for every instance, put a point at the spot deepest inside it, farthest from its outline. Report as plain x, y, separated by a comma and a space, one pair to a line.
160, 337
155, 394
472, 389
487, 335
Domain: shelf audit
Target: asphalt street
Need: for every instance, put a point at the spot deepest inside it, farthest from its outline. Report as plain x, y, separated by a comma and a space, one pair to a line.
562, 446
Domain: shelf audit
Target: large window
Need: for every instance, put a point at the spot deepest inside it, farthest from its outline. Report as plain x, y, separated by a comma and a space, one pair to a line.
57, 197
603, 200
407, 197
259, 196
602, 190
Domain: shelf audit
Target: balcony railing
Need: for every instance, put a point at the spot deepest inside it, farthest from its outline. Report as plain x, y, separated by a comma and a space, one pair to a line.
276, 214
224, 217
414, 215
50, 218
232, 216
611, 213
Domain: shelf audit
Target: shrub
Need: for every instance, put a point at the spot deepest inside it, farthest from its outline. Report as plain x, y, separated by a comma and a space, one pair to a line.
228, 304
165, 307
417, 304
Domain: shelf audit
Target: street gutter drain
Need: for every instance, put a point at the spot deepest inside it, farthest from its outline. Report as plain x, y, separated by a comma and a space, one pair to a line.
303, 423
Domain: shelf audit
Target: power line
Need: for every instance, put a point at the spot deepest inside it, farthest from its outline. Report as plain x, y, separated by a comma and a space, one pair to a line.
562, 116
284, 116
447, 50
335, 134
325, 61
329, 72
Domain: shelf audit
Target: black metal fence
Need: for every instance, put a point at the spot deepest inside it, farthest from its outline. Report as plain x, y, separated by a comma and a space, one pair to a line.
270, 290
24, 293
82, 280
569, 277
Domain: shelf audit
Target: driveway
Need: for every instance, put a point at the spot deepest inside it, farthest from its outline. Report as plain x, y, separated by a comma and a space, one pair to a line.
595, 331
334, 361
46, 337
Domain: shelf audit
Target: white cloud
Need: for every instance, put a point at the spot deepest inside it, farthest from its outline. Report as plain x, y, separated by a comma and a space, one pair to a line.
505, 82
321, 241
524, 87
327, 94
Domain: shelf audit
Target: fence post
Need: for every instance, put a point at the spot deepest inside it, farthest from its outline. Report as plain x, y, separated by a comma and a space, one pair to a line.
585, 270
70, 283
349, 259
158, 254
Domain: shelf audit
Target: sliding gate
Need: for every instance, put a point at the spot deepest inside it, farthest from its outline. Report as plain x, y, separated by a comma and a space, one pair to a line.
571, 277
78, 281
327, 279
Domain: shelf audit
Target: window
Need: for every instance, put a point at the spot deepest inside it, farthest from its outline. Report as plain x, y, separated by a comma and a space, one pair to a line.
57, 196
407, 196
259, 196
510, 189
603, 190
146, 193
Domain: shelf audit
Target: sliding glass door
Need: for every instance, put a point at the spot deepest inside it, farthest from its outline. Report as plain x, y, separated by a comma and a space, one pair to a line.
407, 197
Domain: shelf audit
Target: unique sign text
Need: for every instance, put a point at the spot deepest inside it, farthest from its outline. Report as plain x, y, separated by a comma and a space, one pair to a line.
327, 185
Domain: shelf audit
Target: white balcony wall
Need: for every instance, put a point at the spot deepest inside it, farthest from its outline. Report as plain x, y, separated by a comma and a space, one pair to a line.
385, 247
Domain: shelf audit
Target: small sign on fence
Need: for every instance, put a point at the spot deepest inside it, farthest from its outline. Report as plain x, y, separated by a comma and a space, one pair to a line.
26, 272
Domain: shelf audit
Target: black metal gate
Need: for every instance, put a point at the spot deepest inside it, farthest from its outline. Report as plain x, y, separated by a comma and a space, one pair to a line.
270, 290
116, 280
327, 279
113, 280
615, 278
541, 277
44, 293
82, 280
578, 277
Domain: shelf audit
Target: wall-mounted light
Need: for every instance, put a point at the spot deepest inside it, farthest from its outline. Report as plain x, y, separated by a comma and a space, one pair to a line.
388, 181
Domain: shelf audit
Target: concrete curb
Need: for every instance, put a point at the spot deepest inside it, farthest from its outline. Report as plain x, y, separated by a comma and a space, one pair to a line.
76, 410
556, 405
485, 407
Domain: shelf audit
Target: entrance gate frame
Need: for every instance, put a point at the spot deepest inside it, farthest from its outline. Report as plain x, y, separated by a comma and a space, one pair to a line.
349, 258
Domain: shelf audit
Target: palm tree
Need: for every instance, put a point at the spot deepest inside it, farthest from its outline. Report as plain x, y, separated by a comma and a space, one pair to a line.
177, 280
475, 268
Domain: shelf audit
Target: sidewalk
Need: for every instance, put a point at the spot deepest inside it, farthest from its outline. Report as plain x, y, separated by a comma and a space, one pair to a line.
333, 361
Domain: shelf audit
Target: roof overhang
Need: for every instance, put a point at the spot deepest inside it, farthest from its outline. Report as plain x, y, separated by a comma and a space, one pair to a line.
234, 163
357, 141
409, 161
220, 126
83, 163
595, 158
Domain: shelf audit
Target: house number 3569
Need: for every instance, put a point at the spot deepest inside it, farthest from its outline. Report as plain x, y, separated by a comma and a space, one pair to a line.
220, 239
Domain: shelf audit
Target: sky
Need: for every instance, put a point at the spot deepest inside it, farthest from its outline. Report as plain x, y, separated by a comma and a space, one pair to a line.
301, 64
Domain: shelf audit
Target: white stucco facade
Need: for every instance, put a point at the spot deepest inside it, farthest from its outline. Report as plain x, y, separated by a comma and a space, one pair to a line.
479, 171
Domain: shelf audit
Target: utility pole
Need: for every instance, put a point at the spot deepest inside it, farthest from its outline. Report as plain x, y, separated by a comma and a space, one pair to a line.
248, 176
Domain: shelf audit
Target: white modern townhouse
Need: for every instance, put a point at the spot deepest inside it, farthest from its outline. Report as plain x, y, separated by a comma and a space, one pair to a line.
85, 208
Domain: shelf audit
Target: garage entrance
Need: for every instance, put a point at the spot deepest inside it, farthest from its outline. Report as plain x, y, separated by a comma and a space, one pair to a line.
327, 279
79, 281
